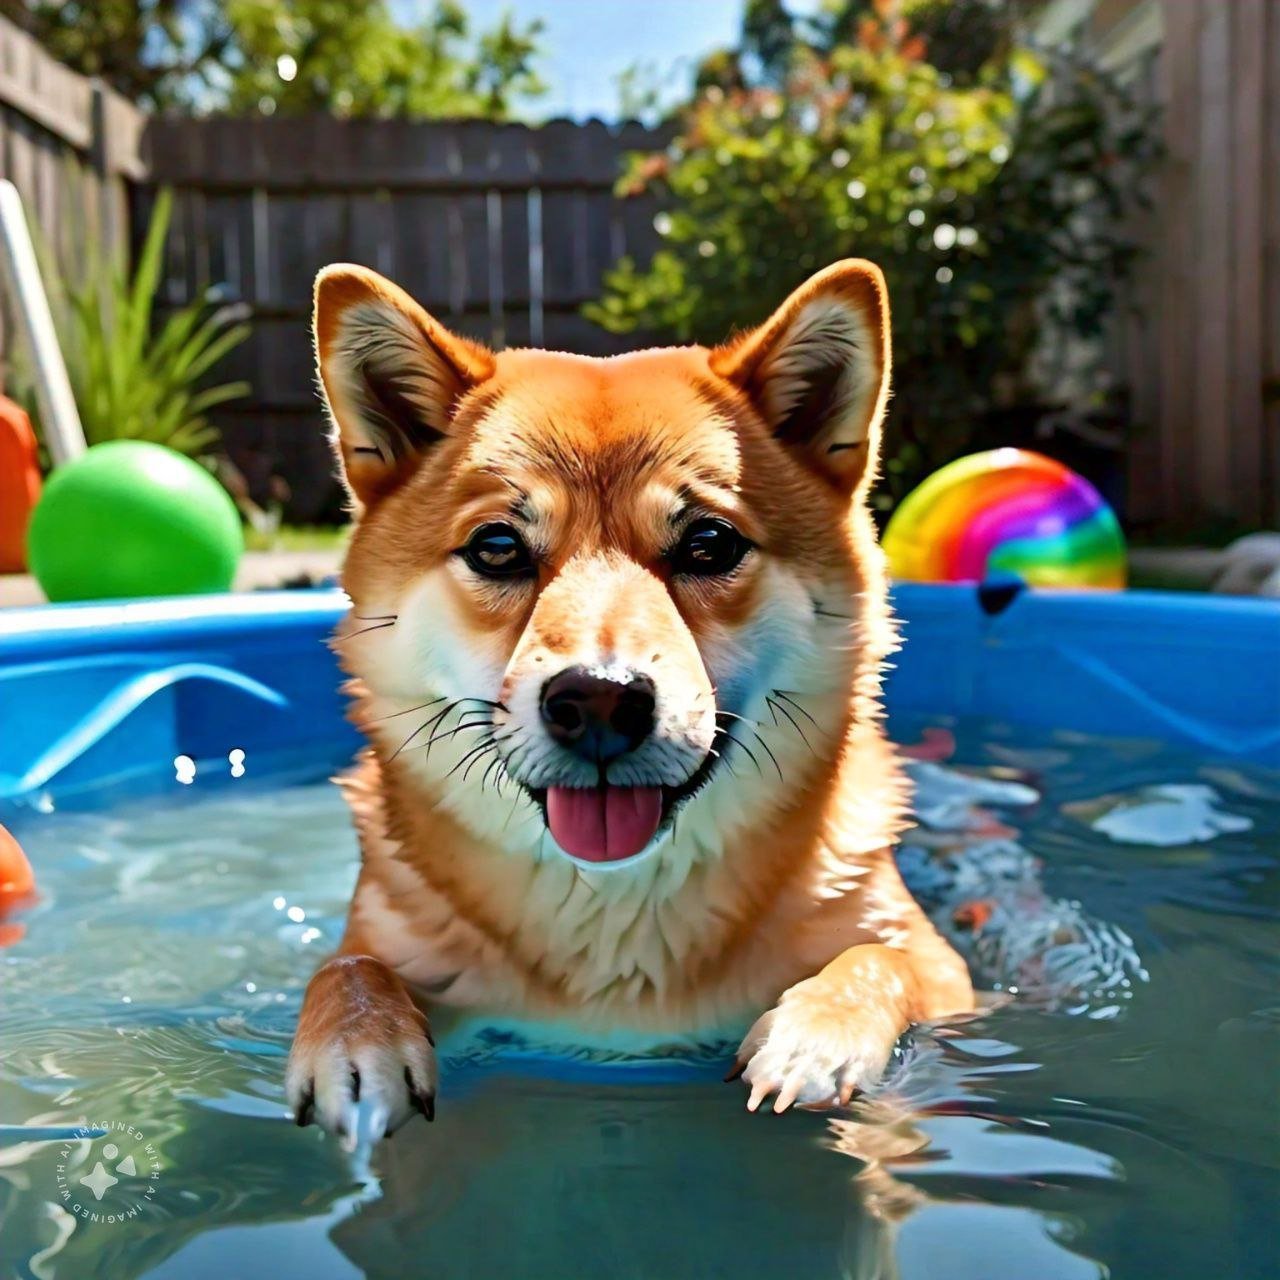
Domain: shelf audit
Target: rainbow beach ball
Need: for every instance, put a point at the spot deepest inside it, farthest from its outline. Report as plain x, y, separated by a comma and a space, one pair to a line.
1011, 511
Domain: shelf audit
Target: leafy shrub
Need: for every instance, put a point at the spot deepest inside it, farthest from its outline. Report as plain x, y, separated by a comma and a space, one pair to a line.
994, 197
131, 380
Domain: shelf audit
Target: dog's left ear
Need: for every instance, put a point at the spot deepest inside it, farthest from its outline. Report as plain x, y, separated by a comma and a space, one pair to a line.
818, 369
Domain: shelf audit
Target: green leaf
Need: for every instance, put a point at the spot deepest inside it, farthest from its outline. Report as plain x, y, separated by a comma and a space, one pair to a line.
134, 377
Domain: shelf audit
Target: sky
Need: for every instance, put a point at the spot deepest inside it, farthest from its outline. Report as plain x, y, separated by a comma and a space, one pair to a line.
588, 43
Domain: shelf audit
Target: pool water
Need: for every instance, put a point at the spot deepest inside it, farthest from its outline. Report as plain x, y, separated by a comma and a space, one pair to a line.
1127, 1130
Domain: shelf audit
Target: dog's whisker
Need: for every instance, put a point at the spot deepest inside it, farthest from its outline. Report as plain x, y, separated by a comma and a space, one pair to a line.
785, 696
768, 751
433, 702
751, 755
457, 729
518, 756
488, 702
479, 753
515, 804
430, 722
440, 734
725, 757
473, 754
364, 631
422, 706
495, 763
775, 707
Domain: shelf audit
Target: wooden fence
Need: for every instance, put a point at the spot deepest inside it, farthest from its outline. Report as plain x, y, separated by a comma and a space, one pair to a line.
1220, 269
71, 147
501, 230
1201, 347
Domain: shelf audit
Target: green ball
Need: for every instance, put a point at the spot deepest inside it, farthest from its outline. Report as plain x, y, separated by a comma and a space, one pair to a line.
133, 519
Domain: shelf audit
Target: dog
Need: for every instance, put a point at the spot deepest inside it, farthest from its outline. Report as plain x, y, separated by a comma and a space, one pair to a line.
616, 640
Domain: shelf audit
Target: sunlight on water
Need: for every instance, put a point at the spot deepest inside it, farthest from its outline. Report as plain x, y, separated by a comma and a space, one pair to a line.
1117, 1117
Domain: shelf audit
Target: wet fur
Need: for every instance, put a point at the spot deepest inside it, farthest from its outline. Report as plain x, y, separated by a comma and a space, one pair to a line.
776, 885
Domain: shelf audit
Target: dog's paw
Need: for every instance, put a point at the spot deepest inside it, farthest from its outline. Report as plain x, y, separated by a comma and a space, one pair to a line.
813, 1049
362, 1061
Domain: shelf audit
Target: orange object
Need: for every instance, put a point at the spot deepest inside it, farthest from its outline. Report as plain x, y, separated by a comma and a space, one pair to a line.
19, 484
973, 915
16, 878
935, 745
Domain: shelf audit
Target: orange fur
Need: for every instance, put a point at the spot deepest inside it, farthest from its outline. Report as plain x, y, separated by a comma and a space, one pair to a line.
776, 885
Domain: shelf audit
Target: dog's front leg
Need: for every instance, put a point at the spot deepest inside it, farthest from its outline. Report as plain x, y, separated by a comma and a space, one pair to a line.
833, 1033
360, 1039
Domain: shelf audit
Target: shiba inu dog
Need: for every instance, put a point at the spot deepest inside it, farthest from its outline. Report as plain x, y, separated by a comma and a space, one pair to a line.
616, 636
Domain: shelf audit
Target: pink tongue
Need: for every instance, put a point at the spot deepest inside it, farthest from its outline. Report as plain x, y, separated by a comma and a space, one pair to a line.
603, 824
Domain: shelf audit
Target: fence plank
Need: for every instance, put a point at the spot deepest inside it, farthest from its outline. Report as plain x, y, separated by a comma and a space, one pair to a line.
71, 147
1270, 472
1213, 264
469, 252
20, 159
322, 153
43, 90
226, 258
421, 240
1179, 86
1245, 407
561, 245
514, 214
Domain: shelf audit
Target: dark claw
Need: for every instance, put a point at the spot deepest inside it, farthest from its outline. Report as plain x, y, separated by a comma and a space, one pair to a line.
735, 1071
306, 1109
355, 1085
422, 1102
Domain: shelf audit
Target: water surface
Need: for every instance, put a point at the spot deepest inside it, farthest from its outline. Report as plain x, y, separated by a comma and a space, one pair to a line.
160, 975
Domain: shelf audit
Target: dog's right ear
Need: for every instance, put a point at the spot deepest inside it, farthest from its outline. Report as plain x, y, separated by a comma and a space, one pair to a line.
393, 376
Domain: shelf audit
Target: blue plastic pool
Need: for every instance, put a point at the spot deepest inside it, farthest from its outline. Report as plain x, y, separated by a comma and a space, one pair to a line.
164, 764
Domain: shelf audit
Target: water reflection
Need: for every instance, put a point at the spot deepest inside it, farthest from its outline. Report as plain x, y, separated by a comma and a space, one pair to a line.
1021, 1145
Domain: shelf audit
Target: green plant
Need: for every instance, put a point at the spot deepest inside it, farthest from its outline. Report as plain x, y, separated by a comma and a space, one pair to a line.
994, 197
133, 379
350, 57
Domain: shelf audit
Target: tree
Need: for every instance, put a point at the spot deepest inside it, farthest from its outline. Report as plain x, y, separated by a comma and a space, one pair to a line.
350, 57
994, 195
353, 58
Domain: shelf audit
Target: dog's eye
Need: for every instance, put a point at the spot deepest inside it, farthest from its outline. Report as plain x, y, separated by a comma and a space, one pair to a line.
710, 548
497, 551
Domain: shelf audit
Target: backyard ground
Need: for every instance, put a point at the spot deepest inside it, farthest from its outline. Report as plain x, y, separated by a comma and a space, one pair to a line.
259, 570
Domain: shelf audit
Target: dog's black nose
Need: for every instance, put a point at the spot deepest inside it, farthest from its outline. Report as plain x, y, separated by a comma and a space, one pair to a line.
597, 716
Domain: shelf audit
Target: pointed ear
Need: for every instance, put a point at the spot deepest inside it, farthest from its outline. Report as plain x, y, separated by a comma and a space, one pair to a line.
392, 375
818, 369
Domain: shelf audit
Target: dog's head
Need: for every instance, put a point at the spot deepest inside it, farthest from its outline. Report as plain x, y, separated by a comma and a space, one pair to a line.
610, 590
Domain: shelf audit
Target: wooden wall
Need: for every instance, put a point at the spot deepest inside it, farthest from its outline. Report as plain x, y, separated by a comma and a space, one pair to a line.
72, 148
1203, 356
501, 230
